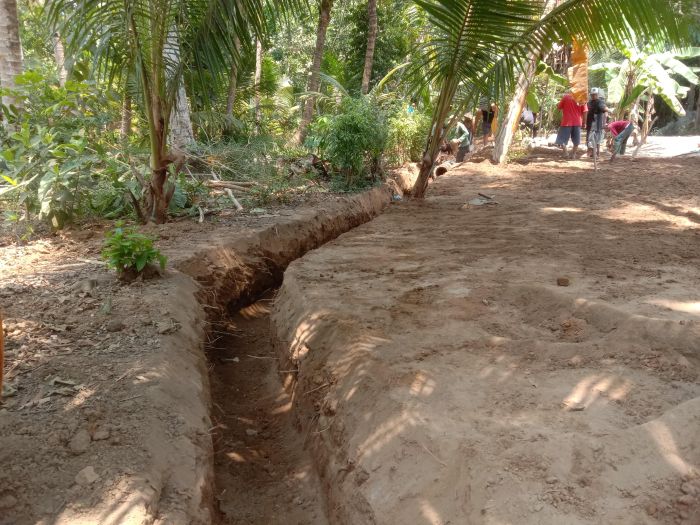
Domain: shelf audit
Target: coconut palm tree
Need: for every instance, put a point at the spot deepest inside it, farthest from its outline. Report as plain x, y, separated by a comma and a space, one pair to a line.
133, 39
477, 47
371, 42
324, 20
10, 47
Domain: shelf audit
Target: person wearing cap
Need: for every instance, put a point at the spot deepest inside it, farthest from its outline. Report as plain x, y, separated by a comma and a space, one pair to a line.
621, 131
571, 120
595, 121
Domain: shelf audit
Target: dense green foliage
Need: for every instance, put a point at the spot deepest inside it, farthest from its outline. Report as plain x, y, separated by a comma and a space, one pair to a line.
55, 149
406, 138
354, 139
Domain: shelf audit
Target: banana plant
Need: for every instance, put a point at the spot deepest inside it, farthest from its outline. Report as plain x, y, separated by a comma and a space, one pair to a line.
643, 70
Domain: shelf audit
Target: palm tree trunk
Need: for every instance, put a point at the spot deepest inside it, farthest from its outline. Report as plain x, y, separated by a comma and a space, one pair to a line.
437, 134
648, 116
510, 122
324, 19
125, 128
10, 46
256, 84
181, 134
60, 56
233, 81
371, 41
509, 126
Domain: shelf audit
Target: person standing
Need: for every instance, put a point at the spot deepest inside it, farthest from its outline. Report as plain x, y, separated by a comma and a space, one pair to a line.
621, 131
595, 121
464, 137
571, 120
488, 115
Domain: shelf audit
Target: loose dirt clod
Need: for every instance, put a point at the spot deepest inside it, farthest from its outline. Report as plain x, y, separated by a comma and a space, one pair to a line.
7, 501
80, 442
86, 476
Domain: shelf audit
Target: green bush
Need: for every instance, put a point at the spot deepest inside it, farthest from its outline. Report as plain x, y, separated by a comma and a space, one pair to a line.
354, 139
407, 136
55, 148
129, 252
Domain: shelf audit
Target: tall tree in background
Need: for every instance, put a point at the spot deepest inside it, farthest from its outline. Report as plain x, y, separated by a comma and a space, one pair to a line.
371, 42
60, 56
180, 132
478, 46
232, 82
324, 19
125, 127
10, 46
256, 84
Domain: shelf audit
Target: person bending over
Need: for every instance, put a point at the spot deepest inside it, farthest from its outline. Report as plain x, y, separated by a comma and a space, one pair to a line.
488, 115
464, 136
621, 131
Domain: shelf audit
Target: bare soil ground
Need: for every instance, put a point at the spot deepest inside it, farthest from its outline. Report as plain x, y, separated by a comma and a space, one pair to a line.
533, 361
443, 375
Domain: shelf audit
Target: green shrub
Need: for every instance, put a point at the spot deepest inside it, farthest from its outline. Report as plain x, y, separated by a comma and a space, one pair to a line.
55, 148
354, 139
407, 136
129, 252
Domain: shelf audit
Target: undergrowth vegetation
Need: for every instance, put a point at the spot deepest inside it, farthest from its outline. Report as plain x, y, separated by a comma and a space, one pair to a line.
129, 252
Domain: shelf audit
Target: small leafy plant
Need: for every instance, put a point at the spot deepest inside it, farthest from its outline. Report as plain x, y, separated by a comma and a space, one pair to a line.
129, 252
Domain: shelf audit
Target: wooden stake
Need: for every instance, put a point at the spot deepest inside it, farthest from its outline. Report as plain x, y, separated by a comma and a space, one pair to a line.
2, 353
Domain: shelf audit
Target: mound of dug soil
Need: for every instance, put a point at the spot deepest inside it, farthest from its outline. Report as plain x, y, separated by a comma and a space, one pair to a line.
533, 361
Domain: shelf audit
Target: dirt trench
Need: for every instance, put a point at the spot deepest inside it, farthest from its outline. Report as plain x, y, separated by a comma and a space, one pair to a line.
262, 471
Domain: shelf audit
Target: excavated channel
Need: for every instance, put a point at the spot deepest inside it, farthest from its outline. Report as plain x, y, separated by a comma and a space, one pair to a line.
263, 472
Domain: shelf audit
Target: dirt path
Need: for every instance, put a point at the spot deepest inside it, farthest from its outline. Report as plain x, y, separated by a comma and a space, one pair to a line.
447, 378
263, 472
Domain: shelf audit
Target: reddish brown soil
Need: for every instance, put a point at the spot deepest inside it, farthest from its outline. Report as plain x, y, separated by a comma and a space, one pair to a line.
532, 362
264, 474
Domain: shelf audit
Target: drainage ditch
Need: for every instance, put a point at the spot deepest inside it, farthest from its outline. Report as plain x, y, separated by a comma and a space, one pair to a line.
263, 473
263, 470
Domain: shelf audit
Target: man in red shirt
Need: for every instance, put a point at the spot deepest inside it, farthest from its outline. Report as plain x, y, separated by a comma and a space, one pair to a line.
621, 130
571, 119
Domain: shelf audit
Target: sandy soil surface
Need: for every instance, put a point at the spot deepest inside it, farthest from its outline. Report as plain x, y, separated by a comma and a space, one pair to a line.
533, 361
655, 147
